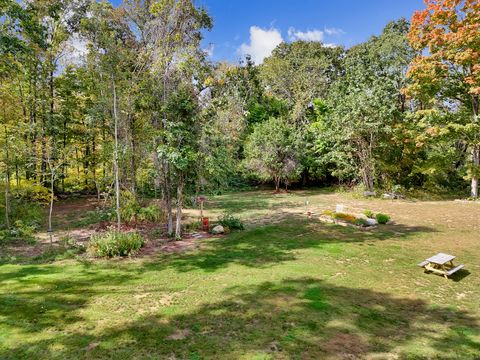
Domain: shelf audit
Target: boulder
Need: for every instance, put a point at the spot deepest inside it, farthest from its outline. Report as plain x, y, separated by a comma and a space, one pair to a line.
371, 222
218, 229
369, 193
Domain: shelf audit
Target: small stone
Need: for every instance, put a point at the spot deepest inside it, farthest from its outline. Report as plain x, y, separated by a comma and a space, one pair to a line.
371, 222
369, 193
218, 230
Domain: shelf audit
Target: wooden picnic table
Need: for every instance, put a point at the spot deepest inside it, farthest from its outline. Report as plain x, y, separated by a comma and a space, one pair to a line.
441, 264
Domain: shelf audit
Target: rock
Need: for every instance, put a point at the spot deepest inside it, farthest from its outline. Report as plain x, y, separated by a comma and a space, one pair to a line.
369, 193
393, 196
218, 230
371, 222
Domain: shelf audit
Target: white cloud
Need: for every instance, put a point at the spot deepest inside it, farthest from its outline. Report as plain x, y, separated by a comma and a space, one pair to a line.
334, 31
262, 43
310, 35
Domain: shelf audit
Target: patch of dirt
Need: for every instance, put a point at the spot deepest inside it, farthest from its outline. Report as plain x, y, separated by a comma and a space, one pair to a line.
23, 249
179, 334
92, 346
346, 346
179, 246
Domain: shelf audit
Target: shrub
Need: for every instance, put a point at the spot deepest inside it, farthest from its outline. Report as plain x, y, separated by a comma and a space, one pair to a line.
231, 222
19, 231
29, 192
129, 206
361, 222
114, 243
369, 214
30, 213
132, 210
328, 213
150, 213
95, 216
382, 218
345, 217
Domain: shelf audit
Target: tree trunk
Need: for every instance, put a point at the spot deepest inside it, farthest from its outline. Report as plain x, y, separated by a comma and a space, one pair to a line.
133, 144
168, 198
178, 225
115, 157
52, 195
476, 164
7, 182
277, 183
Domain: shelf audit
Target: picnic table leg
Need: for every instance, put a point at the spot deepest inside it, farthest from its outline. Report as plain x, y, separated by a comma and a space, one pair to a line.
445, 271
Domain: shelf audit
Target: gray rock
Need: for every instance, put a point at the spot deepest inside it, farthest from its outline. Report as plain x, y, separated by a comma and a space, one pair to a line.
371, 222
369, 193
218, 230
389, 196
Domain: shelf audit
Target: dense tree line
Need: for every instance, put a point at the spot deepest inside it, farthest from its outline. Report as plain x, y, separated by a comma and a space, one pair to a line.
143, 111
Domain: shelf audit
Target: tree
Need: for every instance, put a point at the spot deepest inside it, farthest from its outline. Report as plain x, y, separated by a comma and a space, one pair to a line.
301, 71
272, 153
181, 142
355, 122
446, 69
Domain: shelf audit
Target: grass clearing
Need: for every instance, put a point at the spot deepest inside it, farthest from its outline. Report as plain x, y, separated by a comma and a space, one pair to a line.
285, 288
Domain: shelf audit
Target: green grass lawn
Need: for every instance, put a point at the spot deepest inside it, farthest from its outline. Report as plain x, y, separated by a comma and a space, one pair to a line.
285, 288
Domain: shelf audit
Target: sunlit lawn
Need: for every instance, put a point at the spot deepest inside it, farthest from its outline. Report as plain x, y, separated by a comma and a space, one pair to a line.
286, 288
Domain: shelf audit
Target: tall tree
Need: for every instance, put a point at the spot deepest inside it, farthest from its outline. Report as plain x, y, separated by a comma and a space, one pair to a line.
447, 69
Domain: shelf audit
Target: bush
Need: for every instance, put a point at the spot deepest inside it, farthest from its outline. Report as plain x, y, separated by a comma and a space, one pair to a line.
30, 213
29, 192
95, 216
382, 218
231, 222
345, 217
132, 210
114, 243
361, 222
150, 213
369, 214
19, 231
129, 206
328, 213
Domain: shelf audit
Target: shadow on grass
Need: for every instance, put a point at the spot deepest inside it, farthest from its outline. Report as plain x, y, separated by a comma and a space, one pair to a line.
271, 244
39, 300
297, 318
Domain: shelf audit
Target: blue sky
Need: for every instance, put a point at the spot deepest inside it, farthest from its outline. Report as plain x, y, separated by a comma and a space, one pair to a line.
256, 27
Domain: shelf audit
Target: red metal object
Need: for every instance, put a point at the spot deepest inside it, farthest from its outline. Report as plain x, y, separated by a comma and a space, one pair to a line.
205, 224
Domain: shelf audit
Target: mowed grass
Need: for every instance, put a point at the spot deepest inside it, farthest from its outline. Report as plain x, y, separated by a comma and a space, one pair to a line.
286, 288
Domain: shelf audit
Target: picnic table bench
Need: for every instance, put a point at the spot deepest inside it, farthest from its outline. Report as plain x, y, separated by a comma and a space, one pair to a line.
441, 264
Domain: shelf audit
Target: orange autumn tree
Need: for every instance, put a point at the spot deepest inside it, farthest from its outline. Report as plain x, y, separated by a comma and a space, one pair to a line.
447, 70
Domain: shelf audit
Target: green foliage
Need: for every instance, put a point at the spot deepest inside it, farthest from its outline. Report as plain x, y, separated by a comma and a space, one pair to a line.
114, 243
19, 231
151, 213
361, 222
29, 192
131, 209
369, 214
96, 216
231, 222
129, 206
382, 218
272, 151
